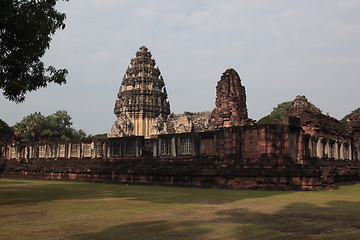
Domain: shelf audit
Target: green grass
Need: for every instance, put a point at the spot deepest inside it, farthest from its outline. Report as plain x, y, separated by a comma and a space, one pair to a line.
63, 210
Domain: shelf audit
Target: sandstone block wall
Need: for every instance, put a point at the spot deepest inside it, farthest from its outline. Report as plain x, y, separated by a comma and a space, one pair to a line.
247, 157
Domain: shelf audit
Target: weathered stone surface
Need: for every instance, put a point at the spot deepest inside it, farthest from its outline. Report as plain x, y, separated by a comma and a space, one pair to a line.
301, 102
142, 109
312, 120
187, 122
249, 157
194, 172
230, 106
142, 99
352, 122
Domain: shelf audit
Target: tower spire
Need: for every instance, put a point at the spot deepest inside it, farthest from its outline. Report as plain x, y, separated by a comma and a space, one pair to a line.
230, 109
142, 98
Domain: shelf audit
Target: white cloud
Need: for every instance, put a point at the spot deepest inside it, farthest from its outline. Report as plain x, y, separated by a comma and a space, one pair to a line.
348, 4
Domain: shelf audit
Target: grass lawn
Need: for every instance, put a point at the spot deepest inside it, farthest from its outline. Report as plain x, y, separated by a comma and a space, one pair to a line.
63, 210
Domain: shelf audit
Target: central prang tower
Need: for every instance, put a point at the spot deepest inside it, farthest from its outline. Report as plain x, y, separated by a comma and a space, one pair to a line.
142, 99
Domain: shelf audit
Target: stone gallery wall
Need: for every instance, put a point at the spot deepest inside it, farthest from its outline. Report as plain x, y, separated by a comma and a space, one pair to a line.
269, 156
306, 150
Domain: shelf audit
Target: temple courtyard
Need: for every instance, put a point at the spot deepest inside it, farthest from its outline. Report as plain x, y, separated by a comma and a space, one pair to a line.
67, 210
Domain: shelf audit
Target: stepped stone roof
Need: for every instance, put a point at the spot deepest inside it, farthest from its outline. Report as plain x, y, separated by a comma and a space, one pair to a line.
142, 97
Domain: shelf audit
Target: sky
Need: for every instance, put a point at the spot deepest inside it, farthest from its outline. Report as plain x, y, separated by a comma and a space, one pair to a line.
280, 49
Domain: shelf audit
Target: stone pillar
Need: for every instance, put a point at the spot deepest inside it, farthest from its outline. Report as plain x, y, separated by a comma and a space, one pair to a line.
8, 152
79, 150
155, 148
81, 146
26, 153
311, 148
58, 150
336, 151
69, 151
137, 148
301, 146
193, 145
30, 151
327, 149
107, 149
95, 149
315, 149
45, 151
319, 148
173, 146
346, 151
341, 153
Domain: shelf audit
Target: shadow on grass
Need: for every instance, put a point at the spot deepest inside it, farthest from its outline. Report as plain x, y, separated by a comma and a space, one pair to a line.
304, 220
151, 230
9, 182
41, 191
338, 220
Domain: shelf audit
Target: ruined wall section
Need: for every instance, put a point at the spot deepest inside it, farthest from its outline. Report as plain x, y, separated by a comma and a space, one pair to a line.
167, 171
352, 121
245, 157
271, 144
187, 122
323, 136
313, 121
230, 106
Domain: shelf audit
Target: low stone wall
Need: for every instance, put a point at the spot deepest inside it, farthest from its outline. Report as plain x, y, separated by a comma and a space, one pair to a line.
188, 172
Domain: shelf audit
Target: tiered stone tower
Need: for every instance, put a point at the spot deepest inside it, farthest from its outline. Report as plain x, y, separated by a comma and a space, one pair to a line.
141, 105
230, 106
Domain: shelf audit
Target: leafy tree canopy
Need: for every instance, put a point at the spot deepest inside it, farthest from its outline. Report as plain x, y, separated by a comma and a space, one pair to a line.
277, 112
26, 28
6, 132
57, 126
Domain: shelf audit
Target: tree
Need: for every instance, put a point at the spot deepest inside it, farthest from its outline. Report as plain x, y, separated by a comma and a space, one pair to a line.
6, 132
277, 112
30, 128
57, 126
26, 29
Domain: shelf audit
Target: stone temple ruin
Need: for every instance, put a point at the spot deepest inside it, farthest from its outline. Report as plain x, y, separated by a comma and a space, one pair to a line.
141, 107
230, 106
305, 150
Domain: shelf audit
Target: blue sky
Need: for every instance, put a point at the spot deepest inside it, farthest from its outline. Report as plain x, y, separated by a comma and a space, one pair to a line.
279, 48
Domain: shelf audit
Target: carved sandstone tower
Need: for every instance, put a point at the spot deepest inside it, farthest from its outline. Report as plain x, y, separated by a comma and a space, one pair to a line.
141, 105
230, 106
